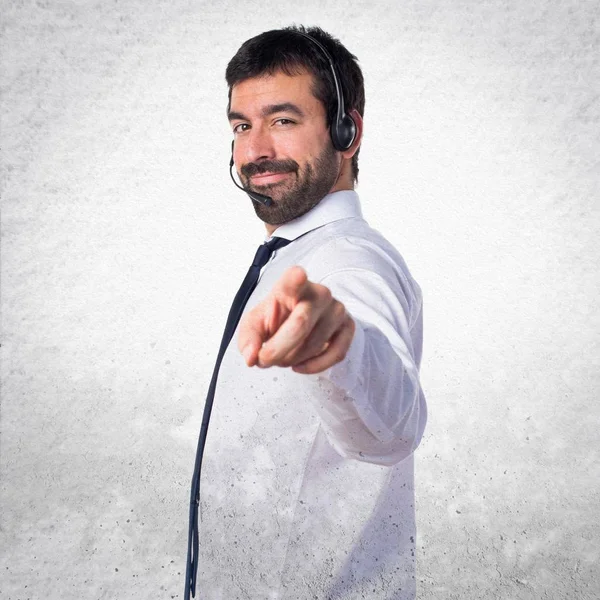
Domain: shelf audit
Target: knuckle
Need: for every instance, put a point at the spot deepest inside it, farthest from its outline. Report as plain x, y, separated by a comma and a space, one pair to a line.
326, 293
301, 319
339, 354
267, 353
340, 310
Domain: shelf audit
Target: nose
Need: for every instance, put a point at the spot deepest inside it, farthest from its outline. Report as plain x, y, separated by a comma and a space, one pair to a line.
258, 145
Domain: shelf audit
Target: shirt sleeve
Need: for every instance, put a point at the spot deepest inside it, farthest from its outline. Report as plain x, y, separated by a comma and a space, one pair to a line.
372, 406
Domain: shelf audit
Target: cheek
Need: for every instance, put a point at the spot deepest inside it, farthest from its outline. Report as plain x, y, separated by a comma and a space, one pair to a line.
291, 147
236, 154
240, 148
304, 150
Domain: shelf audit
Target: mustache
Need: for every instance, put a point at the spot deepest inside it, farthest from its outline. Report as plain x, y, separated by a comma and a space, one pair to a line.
269, 166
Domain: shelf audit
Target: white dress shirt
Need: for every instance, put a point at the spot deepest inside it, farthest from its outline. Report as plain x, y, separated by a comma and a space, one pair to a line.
307, 488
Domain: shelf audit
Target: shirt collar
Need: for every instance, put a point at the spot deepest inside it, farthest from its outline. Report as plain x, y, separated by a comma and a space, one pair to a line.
333, 207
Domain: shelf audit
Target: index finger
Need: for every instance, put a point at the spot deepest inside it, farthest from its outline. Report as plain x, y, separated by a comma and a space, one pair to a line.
292, 333
263, 321
291, 285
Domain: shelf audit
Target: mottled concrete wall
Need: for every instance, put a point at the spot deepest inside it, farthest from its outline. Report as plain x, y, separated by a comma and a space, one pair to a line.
480, 162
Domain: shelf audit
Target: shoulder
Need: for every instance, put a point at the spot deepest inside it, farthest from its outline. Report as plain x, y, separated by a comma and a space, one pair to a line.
353, 244
362, 259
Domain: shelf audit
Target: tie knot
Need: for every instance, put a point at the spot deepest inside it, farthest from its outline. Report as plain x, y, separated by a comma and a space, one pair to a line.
264, 252
277, 242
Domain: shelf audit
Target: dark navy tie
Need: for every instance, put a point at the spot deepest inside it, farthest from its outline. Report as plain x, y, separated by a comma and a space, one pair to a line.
261, 258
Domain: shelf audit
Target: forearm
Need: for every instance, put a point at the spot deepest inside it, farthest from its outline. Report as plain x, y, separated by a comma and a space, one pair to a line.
372, 406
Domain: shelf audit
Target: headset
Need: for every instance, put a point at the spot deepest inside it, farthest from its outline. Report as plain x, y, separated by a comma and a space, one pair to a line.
342, 130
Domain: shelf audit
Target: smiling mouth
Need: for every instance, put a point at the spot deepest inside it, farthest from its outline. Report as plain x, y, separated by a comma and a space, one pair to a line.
268, 178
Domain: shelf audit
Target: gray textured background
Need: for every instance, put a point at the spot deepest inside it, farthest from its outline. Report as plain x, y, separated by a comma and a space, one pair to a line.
480, 163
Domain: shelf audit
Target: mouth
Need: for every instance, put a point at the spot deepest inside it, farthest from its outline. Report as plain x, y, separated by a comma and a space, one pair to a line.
268, 178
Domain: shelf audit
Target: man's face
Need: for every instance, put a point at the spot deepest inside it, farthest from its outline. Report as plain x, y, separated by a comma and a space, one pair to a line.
282, 146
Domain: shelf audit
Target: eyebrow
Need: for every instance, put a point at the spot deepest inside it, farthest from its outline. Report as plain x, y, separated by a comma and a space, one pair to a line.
269, 110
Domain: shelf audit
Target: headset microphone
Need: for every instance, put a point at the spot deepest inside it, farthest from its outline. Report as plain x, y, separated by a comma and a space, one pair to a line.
266, 200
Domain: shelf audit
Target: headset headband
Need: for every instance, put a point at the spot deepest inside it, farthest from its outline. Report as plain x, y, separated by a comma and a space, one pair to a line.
343, 127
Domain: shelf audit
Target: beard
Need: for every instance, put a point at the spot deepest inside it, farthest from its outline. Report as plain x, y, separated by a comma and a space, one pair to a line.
296, 194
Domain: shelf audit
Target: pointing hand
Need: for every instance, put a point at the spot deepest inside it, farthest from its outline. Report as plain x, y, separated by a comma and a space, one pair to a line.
299, 325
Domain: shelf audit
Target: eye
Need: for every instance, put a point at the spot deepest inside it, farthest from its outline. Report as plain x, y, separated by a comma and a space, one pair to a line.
284, 121
240, 127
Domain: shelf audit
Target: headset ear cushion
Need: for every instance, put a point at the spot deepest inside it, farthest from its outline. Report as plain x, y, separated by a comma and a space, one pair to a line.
343, 133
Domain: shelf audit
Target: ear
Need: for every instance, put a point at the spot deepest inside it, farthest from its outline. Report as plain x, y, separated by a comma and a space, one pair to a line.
359, 133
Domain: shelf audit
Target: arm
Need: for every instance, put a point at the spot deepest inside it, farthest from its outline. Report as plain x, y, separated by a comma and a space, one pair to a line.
362, 339
373, 408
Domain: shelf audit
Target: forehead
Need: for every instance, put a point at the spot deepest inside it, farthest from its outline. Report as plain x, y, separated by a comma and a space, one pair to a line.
251, 95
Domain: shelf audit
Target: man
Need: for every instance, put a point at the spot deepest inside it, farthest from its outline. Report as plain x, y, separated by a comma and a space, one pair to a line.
307, 479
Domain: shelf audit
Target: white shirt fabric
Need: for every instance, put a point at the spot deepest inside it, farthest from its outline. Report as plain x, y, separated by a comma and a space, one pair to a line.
307, 488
